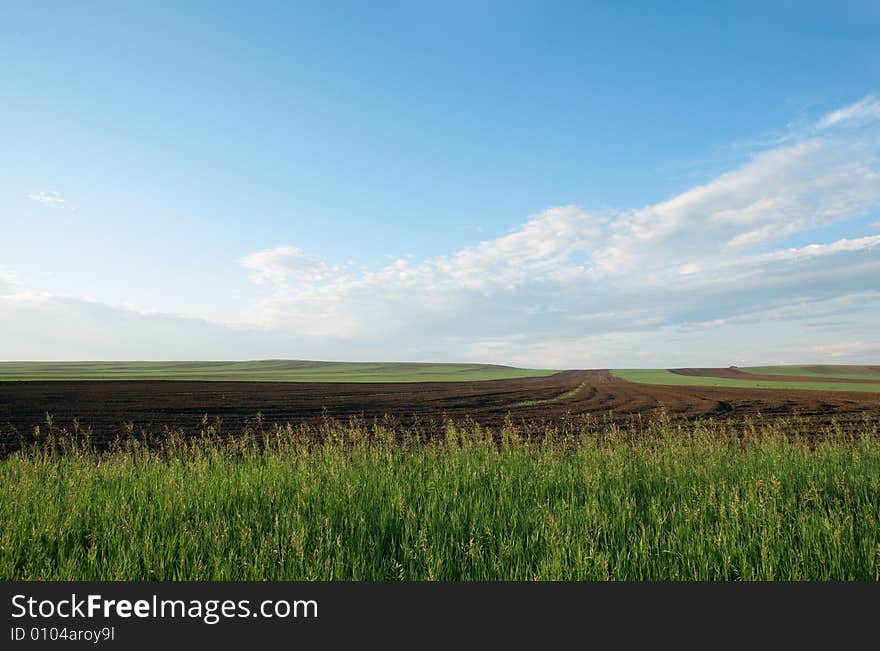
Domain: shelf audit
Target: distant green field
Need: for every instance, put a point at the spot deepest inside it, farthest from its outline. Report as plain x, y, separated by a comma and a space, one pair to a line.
264, 371
661, 376
841, 372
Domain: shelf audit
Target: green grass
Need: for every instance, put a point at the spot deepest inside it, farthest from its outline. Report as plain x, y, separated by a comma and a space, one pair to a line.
702, 505
841, 372
661, 376
263, 371
566, 395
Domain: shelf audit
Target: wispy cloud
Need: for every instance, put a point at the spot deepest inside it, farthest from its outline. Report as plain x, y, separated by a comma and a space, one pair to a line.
52, 199
867, 108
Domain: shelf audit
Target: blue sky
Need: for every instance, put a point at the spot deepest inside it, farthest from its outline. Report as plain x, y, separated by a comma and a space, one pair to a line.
547, 184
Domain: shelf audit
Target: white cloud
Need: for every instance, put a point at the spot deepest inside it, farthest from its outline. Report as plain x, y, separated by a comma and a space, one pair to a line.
867, 108
284, 264
9, 282
51, 199
817, 250
781, 192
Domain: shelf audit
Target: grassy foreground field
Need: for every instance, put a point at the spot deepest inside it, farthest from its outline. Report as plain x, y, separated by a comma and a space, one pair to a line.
665, 377
264, 371
355, 503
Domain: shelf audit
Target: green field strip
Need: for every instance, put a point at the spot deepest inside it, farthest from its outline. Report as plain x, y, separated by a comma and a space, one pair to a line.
264, 371
668, 378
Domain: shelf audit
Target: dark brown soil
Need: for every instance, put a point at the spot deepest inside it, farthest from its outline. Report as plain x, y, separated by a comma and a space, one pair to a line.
847, 369
105, 407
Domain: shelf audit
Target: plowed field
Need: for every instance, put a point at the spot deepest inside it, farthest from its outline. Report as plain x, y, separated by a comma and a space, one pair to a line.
106, 407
